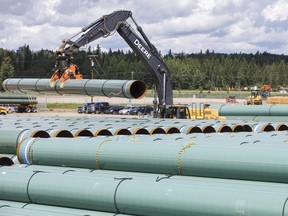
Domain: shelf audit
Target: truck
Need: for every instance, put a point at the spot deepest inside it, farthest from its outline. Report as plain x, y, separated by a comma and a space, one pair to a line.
106, 26
20, 103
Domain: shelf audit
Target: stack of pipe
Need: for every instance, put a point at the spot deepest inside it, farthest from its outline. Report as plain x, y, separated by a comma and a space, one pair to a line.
17, 99
177, 173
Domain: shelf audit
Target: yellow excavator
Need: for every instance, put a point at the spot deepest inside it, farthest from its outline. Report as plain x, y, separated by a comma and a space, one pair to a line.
254, 99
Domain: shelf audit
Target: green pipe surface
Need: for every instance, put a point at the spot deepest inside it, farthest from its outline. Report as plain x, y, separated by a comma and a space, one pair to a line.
245, 110
146, 197
249, 162
133, 89
10, 138
48, 209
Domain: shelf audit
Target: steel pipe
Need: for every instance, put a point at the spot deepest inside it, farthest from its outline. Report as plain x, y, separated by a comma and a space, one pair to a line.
10, 138
38, 209
250, 162
133, 89
169, 196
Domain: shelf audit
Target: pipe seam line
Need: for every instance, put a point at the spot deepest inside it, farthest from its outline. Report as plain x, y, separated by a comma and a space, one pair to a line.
115, 192
187, 145
102, 88
55, 87
28, 183
30, 152
20, 136
97, 152
269, 111
18, 85
283, 209
36, 86
85, 90
123, 89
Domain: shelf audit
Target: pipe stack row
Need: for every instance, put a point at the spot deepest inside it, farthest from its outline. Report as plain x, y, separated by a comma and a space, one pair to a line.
17, 99
232, 173
125, 193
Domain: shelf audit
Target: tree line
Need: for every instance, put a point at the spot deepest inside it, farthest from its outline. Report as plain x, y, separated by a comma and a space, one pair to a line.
196, 71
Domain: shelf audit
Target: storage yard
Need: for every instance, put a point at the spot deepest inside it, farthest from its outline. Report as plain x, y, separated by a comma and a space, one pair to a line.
205, 158
77, 164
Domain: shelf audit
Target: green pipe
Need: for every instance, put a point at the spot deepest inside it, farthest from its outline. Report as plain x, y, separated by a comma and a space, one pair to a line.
7, 210
18, 101
13, 96
50, 210
244, 110
250, 162
111, 88
10, 138
166, 196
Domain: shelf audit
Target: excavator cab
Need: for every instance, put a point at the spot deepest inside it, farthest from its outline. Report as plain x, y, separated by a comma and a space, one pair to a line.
64, 69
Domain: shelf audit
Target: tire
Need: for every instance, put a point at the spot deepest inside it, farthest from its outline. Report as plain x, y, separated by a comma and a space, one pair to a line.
27, 110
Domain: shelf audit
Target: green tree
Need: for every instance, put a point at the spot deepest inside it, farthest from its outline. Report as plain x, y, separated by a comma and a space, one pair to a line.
6, 69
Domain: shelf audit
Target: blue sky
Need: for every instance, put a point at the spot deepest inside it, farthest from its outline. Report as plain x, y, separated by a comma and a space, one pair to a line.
227, 26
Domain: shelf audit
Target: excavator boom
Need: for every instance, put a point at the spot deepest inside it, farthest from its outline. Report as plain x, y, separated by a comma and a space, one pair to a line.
145, 50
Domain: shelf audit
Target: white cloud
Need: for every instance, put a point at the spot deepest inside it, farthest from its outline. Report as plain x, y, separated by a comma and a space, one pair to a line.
277, 11
187, 25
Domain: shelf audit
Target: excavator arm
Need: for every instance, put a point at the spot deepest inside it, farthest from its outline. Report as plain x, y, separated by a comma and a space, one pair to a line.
145, 50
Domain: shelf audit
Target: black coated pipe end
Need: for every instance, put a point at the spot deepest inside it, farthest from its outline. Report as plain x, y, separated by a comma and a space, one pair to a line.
247, 128
239, 128
282, 127
142, 131
41, 133
64, 133
84, 133
172, 130
194, 130
103, 132
138, 89
122, 131
268, 128
208, 129
158, 130
5, 161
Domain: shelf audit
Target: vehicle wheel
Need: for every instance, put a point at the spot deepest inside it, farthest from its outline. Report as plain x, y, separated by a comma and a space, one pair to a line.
28, 110
139, 113
114, 112
97, 112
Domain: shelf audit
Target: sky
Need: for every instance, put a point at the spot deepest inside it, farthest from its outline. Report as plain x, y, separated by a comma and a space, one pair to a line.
189, 26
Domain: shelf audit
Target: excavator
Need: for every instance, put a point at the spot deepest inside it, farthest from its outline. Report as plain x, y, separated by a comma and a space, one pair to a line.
106, 26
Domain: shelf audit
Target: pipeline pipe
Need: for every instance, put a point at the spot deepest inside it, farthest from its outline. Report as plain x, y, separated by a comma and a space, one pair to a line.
244, 110
10, 138
133, 89
249, 162
47, 210
18, 101
166, 196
